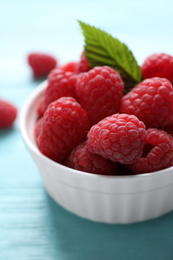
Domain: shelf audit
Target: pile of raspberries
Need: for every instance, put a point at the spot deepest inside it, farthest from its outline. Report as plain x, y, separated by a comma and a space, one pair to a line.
86, 122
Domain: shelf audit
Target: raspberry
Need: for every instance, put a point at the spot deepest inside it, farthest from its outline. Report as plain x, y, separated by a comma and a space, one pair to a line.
158, 152
151, 101
60, 84
41, 107
99, 91
119, 137
82, 65
64, 125
81, 159
71, 67
41, 64
37, 129
158, 65
8, 113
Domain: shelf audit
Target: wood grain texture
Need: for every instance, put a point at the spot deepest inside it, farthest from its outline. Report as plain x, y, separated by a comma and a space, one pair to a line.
32, 225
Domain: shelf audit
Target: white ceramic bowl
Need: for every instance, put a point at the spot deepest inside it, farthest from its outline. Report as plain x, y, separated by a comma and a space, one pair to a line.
109, 199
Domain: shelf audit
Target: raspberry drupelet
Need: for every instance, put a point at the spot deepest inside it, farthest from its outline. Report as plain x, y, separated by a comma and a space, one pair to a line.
158, 152
119, 137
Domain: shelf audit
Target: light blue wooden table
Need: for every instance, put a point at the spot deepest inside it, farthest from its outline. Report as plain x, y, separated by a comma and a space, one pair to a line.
32, 225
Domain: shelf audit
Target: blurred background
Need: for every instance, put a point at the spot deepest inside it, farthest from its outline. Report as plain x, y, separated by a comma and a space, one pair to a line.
32, 226
51, 26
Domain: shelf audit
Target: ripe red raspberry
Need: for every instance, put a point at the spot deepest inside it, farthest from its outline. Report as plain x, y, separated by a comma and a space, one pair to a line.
81, 159
64, 125
70, 66
37, 129
158, 65
41, 64
119, 137
151, 101
60, 84
41, 107
8, 113
83, 64
100, 91
158, 152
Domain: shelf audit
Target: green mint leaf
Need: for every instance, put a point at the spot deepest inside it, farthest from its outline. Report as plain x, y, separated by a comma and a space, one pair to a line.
102, 49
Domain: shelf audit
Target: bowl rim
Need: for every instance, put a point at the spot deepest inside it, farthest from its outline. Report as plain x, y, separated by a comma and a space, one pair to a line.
37, 93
